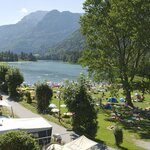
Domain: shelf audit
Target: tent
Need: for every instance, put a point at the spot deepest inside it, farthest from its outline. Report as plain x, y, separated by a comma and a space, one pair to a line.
52, 105
63, 105
55, 147
81, 143
122, 100
112, 100
55, 110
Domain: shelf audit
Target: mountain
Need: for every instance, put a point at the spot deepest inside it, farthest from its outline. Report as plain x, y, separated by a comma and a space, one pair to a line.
74, 42
66, 50
11, 35
38, 30
33, 18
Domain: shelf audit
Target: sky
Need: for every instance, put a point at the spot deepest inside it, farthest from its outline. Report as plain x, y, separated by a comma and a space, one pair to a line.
11, 11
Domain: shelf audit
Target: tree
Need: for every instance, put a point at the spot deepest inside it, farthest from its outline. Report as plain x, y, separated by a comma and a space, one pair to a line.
18, 140
144, 84
118, 35
43, 95
79, 102
3, 70
28, 97
14, 79
118, 133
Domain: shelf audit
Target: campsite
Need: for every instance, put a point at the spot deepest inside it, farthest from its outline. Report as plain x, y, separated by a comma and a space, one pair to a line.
75, 75
112, 111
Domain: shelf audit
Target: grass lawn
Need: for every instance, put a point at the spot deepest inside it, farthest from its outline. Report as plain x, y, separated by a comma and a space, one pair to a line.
104, 133
4, 111
52, 118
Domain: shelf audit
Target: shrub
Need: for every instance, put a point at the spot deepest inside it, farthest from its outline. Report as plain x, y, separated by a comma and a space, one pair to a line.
118, 133
28, 97
17, 140
43, 95
80, 102
14, 79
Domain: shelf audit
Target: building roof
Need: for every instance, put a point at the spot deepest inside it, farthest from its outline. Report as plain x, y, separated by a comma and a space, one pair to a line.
28, 124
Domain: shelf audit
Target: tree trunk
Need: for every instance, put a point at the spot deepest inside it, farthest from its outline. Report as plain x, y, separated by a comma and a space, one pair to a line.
128, 97
127, 91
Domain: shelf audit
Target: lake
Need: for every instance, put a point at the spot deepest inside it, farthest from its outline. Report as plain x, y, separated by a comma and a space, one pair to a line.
52, 71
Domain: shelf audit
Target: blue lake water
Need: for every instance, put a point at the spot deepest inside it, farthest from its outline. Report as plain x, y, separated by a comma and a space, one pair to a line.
53, 71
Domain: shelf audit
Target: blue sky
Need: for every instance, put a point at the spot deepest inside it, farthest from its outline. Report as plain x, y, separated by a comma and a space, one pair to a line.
11, 11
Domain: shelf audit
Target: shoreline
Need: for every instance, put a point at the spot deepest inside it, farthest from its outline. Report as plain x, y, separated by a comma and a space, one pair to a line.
51, 71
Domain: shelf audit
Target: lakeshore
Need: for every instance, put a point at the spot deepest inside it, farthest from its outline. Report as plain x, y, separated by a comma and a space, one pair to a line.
50, 71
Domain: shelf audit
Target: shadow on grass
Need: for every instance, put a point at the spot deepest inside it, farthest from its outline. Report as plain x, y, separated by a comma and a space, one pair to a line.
142, 128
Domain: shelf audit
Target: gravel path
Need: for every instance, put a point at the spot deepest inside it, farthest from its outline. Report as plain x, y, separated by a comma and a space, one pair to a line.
22, 112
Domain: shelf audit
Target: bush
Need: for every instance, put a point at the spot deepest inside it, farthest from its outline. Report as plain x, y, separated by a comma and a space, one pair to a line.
118, 133
80, 102
17, 140
43, 95
13, 79
28, 97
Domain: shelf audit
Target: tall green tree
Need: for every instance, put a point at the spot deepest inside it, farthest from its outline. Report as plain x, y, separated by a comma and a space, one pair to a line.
79, 101
14, 79
118, 36
43, 95
18, 140
3, 70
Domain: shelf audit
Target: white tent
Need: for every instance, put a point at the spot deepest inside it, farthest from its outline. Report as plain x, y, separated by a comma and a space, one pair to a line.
81, 143
55, 147
52, 105
55, 110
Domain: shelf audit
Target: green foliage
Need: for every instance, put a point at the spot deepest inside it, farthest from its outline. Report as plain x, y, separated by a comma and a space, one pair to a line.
145, 66
17, 140
3, 70
79, 102
43, 95
68, 50
28, 97
114, 90
10, 56
13, 79
10, 79
118, 133
117, 38
27, 57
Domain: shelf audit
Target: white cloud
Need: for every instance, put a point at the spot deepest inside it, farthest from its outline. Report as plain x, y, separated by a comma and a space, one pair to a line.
24, 10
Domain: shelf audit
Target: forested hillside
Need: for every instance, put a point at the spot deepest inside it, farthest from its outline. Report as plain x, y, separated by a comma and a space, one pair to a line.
67, 50
10, 57
38, 31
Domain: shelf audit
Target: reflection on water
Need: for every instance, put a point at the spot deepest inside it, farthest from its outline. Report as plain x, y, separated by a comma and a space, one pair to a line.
53, 71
